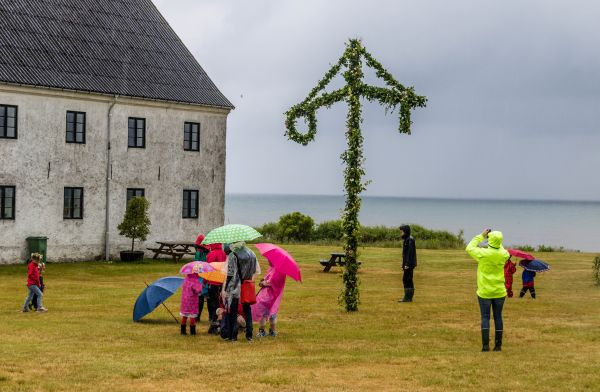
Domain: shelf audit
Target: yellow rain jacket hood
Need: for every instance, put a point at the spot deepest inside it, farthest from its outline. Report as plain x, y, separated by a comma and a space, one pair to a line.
490, 268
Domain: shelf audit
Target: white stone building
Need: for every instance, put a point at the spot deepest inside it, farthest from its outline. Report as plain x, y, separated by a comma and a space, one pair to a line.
100, 100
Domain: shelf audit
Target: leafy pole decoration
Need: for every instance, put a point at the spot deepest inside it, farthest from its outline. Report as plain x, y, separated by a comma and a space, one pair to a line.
393, 96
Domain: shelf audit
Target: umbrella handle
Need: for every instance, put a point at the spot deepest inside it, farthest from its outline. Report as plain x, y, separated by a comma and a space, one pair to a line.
168, 310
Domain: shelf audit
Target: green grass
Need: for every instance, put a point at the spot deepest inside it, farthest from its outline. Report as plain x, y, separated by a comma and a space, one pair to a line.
87, 340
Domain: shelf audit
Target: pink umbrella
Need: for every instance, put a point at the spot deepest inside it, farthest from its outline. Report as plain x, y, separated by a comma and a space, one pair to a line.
520, 254
196, 267
280, 260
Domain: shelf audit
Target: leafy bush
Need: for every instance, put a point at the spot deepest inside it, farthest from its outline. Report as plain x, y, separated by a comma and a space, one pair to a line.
329, 230
546, 248
296, 227
330, 233
136, 223
596, 269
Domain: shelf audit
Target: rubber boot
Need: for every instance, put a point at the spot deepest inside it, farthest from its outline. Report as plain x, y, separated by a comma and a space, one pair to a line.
498, 341
183, 332
411, 294
485, 339
192, 329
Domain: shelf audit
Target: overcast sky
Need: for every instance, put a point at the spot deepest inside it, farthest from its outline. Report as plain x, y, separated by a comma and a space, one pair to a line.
513, 92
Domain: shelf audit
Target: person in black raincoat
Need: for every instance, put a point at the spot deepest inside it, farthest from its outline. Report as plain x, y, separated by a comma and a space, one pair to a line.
409, 263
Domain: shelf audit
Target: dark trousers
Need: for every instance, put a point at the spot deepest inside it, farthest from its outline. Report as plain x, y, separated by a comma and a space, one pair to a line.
248, 318
212, 302
407, 279
495, 305
229, 329
200, 306
524, 290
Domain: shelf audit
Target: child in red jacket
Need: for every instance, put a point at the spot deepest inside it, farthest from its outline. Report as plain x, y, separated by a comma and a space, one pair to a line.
34, 284
509, 269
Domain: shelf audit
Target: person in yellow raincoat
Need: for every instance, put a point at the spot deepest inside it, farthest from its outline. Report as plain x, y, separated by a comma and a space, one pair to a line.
491, 291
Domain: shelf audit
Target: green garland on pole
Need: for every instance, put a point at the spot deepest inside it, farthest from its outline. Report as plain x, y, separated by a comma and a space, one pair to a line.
395, 95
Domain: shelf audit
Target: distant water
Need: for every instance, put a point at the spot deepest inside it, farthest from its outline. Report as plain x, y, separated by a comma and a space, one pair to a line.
573, 225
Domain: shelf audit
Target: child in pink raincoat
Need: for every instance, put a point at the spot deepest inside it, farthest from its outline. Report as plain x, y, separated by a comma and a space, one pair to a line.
268, 300
190, 290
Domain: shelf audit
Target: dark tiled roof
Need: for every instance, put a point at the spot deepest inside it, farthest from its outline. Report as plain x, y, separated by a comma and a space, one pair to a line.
122, 47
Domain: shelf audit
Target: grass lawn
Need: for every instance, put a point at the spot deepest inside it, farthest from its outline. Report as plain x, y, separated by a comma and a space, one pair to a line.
87, 340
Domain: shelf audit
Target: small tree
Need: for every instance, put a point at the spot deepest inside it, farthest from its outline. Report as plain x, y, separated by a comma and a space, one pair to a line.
296, 226
136, 223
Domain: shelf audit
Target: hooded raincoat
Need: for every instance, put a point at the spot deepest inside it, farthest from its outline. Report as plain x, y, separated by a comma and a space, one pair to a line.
490, 268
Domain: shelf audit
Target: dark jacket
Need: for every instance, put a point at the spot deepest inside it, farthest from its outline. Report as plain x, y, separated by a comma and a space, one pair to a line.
409, 249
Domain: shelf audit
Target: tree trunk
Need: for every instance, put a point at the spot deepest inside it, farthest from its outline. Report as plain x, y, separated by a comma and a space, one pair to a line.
132, 241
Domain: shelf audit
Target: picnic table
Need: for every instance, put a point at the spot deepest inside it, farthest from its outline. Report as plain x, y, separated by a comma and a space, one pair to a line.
335, 259
175, 249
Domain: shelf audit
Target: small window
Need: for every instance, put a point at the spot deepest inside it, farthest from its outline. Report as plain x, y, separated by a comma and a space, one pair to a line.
8, 122
7, 202
134, 192
190, 204
76, 127
73, 208
137, 133
191, 136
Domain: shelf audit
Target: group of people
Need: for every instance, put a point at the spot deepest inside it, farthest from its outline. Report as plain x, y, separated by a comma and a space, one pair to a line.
234, 303
35, 284
494, 279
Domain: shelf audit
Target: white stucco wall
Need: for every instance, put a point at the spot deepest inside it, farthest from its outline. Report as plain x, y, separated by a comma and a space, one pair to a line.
39, 191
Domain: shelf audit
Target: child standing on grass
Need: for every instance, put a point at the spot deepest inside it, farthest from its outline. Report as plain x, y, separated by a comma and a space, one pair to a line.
34, 284
509, 269
189, 302
268, 300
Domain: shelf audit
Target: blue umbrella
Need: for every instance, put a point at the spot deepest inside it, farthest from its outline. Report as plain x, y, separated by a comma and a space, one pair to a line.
534, 265
154, 295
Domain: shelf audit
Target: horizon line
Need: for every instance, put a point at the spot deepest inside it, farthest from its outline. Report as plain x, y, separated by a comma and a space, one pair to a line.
446, 198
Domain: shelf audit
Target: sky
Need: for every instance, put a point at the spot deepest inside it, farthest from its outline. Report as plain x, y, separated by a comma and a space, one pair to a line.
513, 91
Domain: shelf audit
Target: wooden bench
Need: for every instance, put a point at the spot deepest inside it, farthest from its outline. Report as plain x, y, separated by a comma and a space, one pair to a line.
174, 249
335, 259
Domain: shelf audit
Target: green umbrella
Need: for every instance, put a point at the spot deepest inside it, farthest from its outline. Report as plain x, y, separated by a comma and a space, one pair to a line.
230, 233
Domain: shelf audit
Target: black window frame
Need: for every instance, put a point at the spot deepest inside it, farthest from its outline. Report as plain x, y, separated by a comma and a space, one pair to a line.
186, 204
3, 198
75, 130
188, 133
135, 130
134, 191
71, 206
4, 121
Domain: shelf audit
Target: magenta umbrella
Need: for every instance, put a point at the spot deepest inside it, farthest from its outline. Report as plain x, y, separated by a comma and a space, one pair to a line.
280, 260
520, 254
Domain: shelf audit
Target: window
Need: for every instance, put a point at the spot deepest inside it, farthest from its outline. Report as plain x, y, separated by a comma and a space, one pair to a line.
73, 203
190, 204
75, 127
7, 202
134, 192
137, 133
8, 122
191, 136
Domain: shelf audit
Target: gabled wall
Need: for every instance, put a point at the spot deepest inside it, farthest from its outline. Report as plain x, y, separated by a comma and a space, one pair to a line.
40, 164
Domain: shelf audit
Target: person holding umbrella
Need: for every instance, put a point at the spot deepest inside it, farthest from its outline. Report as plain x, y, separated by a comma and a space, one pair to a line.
491, 291
242, 267
268, 299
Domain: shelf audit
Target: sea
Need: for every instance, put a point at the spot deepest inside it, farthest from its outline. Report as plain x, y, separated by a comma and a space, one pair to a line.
573, 225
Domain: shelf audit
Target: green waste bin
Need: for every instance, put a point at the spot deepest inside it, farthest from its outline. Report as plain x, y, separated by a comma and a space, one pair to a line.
37, 245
